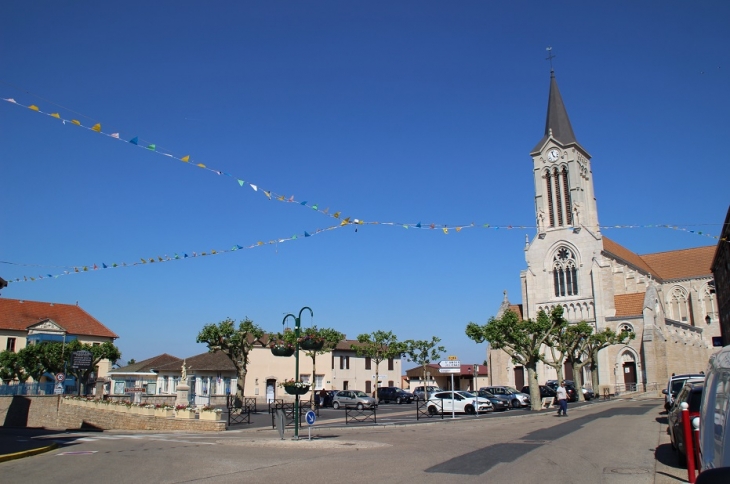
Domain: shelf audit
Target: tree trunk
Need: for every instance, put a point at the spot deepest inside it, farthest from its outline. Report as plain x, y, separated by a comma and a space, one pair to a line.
594, 377
577, 370
240, 385
535, 400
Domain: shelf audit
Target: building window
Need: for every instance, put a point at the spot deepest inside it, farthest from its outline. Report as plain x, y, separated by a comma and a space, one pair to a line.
565, 273
390, 364
345, 385
10, 346
344, 362
304, 378
709, 304
558, 201
368, 363
390, 383
566, 195
549, 187
626, 327
368, 387
318, 382
678, 304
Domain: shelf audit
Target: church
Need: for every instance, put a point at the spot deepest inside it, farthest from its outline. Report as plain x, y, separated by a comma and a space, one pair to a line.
667, 299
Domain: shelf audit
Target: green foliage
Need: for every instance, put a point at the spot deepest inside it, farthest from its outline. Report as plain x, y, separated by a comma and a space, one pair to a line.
378, 346
235, 343
331, 338
423, 352
11, 367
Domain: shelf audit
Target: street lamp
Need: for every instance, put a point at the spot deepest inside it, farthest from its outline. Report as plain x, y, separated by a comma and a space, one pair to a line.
297, 331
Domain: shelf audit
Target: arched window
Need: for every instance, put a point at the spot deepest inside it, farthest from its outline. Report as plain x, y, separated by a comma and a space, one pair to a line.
709, 304
625, 327
565, 273
549, 189
678, 304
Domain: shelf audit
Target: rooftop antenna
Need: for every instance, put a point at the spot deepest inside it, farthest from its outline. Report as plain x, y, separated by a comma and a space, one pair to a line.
550, 58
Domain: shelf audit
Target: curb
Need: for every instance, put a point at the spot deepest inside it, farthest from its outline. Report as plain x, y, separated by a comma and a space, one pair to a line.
27, 453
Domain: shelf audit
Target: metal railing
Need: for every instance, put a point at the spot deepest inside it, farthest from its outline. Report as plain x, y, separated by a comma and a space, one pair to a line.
355, 415
288, 409
32, 389
422, 409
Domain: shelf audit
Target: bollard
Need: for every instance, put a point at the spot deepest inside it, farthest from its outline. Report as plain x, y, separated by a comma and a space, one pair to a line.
696, 442
688, 441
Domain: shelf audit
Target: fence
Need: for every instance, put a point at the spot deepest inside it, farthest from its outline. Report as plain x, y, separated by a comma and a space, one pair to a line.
635, 387
34, 388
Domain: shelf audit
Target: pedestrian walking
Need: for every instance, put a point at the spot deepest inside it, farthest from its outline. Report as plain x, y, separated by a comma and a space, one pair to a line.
562, 399
322, 397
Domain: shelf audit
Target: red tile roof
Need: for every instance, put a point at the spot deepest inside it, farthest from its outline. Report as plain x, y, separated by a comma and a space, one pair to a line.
517, 309
209, 361
629, 304
18, 315
664, 266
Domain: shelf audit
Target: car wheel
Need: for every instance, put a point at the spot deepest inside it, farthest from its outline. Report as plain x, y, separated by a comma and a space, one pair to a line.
469, 409
360, 406
398, 401
432, 410
336, 405
516, 403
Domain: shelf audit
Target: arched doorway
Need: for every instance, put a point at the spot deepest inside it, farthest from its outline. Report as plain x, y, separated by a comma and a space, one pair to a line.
628, 366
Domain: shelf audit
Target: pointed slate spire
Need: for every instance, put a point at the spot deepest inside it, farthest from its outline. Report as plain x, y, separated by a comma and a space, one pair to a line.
557, 123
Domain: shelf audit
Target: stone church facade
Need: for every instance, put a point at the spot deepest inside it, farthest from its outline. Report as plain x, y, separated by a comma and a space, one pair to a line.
667, 299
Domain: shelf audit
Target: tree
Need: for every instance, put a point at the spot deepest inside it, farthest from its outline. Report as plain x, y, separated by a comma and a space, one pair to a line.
103, 351
423, 352
36, 359
522, 340
235, 343
331, 339
559, 342
578, 336
131, 362
599, 341
11, 367
378, 346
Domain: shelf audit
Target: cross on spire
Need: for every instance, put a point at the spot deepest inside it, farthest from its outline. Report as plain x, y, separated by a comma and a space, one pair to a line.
550, 58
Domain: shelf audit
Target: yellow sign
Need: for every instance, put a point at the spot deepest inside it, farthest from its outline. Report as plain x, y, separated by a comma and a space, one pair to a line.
453, 358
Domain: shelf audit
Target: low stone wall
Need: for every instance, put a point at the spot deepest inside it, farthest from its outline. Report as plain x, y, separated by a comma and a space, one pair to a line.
151, 399
52, 412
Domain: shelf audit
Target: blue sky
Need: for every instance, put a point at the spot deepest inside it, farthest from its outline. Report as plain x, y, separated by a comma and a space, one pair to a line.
401, 112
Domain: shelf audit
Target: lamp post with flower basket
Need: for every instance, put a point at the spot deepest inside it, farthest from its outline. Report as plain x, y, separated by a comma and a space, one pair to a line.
297, 390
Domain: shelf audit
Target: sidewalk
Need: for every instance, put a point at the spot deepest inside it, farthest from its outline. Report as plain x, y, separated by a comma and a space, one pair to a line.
16, 443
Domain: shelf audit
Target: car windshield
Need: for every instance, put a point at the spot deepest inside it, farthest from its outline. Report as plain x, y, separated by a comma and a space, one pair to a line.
486, 394
360, 394
510, 390
677, 386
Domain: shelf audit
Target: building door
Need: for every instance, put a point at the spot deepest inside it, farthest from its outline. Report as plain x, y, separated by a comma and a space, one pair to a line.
630, 376
568, 372
270, 390
519, 377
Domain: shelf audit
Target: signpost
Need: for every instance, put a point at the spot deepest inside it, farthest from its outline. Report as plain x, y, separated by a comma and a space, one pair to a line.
452, 365
81, 360
311, 417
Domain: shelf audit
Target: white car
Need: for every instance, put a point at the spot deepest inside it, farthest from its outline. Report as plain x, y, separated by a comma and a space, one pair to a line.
460, 402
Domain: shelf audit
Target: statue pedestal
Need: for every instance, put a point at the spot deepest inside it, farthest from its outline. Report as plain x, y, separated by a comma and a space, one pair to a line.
183, 391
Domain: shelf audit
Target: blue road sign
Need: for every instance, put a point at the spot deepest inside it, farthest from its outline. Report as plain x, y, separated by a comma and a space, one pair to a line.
311, 417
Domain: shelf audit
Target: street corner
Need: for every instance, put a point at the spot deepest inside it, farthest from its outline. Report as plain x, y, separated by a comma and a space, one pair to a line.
27, 452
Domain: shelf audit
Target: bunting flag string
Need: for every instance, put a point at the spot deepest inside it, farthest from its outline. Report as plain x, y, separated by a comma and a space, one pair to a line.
271, 195
79, 269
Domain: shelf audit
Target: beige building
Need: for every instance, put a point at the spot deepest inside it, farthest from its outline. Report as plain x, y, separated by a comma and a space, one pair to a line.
211, 376
667, 299
30, 322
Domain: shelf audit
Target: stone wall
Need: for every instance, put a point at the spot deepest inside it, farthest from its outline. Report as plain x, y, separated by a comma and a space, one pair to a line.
53, 413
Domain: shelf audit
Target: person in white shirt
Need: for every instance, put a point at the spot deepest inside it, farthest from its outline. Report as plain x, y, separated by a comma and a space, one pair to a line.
562, 399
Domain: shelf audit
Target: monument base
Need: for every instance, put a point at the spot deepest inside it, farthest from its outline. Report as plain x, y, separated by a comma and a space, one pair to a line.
183, 392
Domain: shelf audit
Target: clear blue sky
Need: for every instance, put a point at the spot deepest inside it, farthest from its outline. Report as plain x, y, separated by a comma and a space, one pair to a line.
386, 111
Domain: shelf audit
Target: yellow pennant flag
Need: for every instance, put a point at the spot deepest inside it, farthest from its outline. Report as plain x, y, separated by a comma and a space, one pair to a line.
33, 107
76, 122
259, 243
336, 215
56, 115
96, 127
446, 231
281, 198
201, 165
185, 158
458, 229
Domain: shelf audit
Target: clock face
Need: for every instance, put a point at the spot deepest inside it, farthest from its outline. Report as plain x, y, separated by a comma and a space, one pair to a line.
553, 155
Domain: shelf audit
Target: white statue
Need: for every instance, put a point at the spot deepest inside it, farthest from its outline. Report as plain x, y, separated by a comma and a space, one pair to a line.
184, 373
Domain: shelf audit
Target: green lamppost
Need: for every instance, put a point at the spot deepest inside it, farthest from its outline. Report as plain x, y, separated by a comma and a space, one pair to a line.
297, 332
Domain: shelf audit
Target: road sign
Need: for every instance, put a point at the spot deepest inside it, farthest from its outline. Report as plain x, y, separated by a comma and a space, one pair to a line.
60, 377
449, 370
450, 364
311, 417
453, 358
58, 389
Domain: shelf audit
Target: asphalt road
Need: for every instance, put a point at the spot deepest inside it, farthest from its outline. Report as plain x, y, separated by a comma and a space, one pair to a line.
612, 442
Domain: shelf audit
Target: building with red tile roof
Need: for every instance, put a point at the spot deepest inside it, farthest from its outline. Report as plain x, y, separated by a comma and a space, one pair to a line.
667, 299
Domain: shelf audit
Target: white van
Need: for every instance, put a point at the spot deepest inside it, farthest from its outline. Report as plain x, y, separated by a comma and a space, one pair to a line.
715, 413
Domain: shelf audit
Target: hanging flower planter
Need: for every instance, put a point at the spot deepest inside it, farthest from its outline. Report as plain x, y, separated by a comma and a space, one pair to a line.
311, 344
296, 390
282, 351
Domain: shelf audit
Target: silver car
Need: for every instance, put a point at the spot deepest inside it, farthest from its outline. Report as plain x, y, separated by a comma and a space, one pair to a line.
353, 398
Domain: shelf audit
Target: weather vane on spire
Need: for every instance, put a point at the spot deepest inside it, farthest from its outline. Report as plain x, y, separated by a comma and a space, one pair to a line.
550, 57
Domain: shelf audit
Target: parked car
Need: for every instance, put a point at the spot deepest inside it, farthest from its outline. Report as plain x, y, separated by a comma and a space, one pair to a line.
420, 392
330, 394
545, 392
500, 403
692, 394
674, 385
715, 414
587, 394
394, 394
353, 398
459, 402
569, 388
517, 399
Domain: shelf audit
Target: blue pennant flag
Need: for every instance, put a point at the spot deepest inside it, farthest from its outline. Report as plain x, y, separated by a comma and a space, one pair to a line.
134, 141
